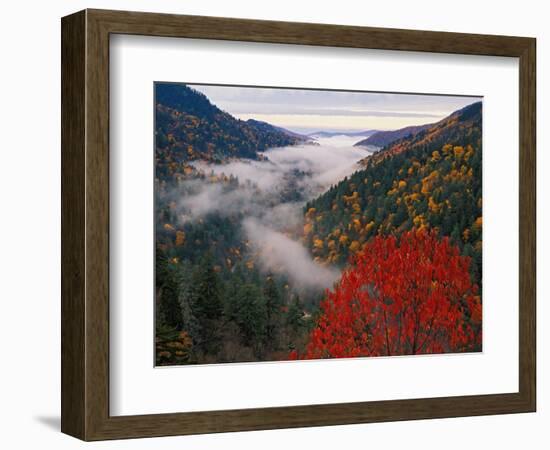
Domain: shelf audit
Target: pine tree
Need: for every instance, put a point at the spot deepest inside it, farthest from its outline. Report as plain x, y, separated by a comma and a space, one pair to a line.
251, 316
186, 299
207, 304
295, 316
168, 307
274, 303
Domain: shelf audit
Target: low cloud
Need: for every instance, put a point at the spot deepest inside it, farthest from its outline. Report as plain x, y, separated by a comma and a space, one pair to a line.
280, 254
334, 154
285, 216
320, 166
214, 198
270, 196
263, 174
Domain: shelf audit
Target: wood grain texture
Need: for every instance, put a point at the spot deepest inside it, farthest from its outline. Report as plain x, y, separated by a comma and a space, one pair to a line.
527, 224
73, 109
266, 31
85, 224
97, 225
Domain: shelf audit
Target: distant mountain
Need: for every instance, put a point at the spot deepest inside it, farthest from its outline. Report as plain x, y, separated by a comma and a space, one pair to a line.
267, 127
431, 179
457, 127
189, 127
383, 138
342, 133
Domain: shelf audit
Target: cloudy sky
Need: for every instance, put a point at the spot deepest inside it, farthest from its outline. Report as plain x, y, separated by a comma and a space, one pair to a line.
314, 110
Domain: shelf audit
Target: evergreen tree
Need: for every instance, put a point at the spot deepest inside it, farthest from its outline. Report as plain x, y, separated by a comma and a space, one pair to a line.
207, 304
274, 303
295, 316
186, 299
251, 316
168, 307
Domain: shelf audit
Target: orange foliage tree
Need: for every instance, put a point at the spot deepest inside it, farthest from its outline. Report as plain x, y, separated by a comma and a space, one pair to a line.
403, 296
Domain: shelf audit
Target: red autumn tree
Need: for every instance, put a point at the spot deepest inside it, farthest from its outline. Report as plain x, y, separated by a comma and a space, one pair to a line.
402, 296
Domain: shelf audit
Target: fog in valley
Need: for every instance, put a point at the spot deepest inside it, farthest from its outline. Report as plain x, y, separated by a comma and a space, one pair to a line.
269, 201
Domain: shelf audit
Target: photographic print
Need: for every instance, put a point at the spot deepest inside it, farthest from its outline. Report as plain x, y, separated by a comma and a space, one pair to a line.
296, 224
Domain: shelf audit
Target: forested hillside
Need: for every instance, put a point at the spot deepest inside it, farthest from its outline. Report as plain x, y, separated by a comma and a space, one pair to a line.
461, 126
268, 128
189, 127
383, 138
252, 264
214, 301
429, 180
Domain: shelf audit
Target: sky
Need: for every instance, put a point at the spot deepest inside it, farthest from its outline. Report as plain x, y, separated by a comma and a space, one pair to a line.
307, 111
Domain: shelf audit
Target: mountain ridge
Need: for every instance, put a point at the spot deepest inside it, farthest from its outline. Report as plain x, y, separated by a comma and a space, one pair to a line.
189, 127
341, 133
383, 138
450, 128
430, 179
269, 127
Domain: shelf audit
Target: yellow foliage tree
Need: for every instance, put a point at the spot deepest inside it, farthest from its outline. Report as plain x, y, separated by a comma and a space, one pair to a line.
354, 246
432, 204
180, 238
458, 151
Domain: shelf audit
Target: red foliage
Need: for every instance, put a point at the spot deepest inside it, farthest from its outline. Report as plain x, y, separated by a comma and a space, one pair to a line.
402, 296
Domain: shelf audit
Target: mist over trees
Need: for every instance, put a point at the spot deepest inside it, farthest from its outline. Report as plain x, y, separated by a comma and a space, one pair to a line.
254, 228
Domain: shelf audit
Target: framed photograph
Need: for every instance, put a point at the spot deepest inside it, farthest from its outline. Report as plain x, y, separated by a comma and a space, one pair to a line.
272, 225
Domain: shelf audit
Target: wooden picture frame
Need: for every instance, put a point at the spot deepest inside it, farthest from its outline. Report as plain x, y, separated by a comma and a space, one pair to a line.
85, 224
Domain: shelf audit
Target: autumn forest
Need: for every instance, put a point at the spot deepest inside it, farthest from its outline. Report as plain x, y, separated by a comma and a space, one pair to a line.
281, 238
